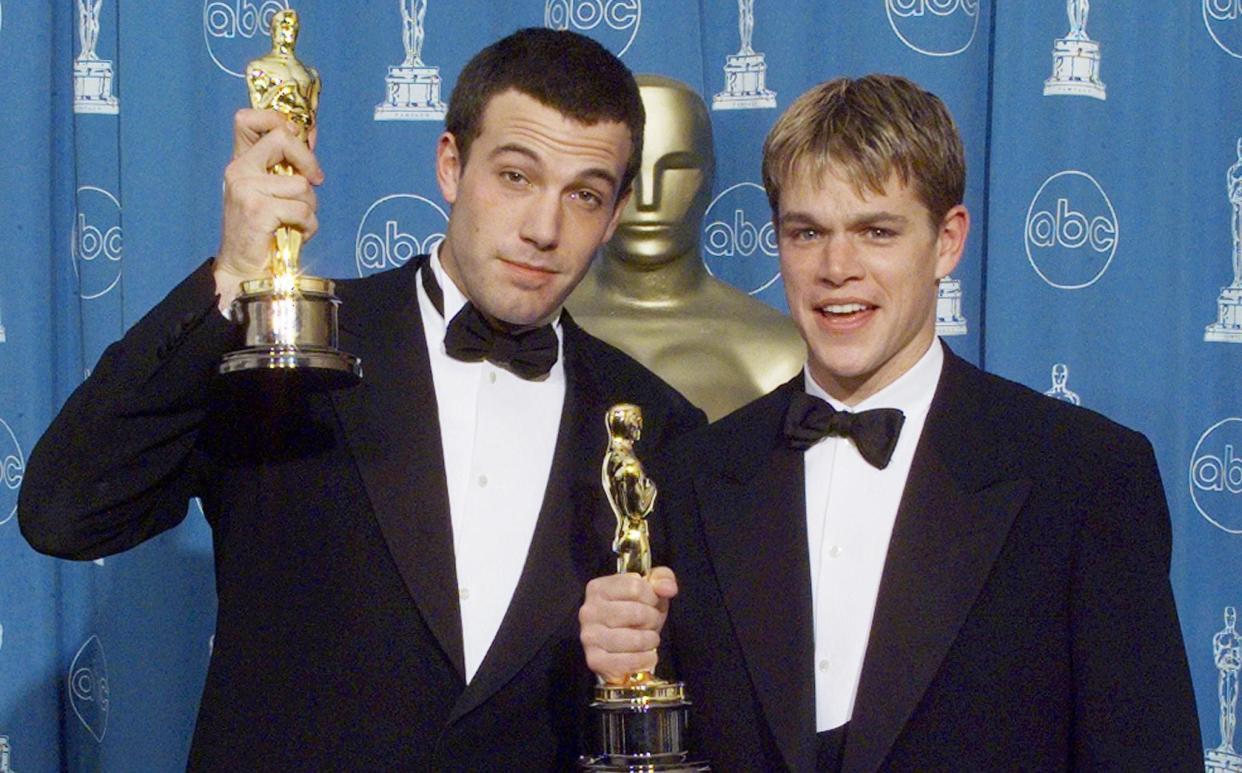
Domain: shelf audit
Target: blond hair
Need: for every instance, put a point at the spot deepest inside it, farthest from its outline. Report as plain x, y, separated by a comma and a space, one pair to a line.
866, 130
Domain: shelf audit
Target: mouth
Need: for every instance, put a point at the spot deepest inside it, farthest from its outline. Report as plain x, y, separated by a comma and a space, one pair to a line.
526, 275
528, 268
845, 314
645, 228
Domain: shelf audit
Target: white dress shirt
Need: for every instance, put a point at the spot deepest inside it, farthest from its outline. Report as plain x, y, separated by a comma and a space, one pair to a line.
850, 510
498, 433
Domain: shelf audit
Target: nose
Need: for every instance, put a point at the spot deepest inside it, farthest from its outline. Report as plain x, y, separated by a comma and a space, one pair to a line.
646, 193
541, 221
839, 261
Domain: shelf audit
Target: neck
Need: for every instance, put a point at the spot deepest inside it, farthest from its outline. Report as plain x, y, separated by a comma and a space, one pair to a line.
629, 283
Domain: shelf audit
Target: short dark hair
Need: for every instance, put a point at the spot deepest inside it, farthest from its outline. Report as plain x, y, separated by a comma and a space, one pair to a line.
563, 70
874, 127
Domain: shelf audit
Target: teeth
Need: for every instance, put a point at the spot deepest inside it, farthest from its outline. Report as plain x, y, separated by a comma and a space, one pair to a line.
843, 308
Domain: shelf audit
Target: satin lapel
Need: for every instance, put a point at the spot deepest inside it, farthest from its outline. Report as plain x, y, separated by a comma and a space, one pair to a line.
393, 428
754, 523
572, 536
954, 517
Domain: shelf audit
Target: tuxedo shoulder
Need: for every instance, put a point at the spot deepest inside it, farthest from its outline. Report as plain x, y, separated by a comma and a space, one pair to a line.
748, 432
395, 283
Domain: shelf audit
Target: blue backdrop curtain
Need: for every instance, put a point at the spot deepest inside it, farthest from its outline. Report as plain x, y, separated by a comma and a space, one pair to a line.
1104, 242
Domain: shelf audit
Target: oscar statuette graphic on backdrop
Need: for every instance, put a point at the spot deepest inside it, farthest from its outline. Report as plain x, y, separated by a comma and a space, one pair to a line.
289, 318
642, 719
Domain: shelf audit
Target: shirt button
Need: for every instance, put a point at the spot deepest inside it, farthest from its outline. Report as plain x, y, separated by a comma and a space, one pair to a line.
834, 551
463, 593
491, 377
482, 481
824, 665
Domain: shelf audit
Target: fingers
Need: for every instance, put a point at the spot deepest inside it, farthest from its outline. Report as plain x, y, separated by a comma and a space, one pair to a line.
249, 125
257, 202
261, 203
264, 138
622, 587
621, 618
619, 641
613, 669
622, 615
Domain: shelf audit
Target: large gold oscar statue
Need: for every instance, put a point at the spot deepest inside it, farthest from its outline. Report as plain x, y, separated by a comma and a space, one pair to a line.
649, 293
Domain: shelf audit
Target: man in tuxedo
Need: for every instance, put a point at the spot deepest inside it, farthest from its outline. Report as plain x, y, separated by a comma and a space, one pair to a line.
398, 563
896, 561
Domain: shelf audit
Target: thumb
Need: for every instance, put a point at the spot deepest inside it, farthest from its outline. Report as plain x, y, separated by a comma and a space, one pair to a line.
663, 582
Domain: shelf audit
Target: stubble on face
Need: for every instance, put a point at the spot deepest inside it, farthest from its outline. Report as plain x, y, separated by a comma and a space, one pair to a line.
530, 209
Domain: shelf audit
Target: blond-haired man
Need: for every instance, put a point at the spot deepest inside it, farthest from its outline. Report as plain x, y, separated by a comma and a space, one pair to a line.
897, 561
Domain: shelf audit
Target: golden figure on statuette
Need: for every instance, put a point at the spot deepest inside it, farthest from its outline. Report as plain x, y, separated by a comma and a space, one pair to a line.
650, 295
290, 319
642, 718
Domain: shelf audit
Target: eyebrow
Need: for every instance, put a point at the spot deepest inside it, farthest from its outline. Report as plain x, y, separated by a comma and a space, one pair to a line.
866, 218
595, 172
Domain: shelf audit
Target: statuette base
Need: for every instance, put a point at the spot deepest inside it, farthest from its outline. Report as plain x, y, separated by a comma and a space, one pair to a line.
413, 95
949, 319
1075, 70
1221, 761
290, 324
745, 76
92, 87
642, 727
1228, 326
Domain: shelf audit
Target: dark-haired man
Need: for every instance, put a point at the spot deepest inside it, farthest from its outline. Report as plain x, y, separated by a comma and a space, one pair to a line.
896, 561
398, 563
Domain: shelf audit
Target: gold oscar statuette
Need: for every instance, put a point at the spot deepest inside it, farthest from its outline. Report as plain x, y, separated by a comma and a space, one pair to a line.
642, 718
289, 318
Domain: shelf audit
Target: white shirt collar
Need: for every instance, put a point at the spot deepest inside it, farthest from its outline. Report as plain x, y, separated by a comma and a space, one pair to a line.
912, 389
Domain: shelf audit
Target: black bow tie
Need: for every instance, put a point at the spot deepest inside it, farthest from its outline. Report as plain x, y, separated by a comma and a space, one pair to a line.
530, 352
874, 432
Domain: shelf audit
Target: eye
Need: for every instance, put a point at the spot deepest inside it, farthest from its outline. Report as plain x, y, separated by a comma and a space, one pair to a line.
513, 177
803, 234
588, 198
881, 234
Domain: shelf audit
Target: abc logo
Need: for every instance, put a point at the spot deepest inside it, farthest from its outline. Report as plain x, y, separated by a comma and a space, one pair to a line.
1071, 231
96, 242
229, 27
12, 470
614, 23
88, 688
1224, 23
1216, 475
396, 228
739, 241
934, 27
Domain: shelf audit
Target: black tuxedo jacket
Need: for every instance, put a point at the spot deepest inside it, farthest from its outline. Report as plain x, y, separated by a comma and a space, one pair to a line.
1024, 619
338, 641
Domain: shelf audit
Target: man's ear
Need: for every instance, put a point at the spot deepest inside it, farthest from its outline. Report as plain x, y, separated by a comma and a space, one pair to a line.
951, 240
448, 166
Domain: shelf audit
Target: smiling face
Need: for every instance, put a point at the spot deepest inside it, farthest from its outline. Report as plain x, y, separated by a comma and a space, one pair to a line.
860, 273
530, 208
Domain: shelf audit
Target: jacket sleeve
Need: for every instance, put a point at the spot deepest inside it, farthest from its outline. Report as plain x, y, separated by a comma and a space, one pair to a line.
119, 463
1134, 706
